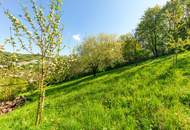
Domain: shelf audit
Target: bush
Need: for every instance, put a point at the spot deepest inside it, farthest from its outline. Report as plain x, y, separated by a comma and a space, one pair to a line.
11, 87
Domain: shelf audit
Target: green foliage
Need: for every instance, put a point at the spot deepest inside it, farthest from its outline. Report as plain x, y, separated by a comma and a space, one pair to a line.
11, 87
64, 69
174, 14
165, 29
131, 49
151, 31
100, 52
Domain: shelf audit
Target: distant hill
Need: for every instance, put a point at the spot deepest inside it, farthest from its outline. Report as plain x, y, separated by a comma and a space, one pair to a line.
21, 57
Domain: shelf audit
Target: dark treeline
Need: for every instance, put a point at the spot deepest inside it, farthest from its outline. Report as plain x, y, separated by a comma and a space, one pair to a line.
161, 31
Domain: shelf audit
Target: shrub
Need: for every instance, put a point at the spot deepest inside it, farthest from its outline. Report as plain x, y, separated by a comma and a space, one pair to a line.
11, 87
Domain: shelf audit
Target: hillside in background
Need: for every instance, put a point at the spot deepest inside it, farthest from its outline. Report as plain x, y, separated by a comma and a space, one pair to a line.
152, 95
20, 57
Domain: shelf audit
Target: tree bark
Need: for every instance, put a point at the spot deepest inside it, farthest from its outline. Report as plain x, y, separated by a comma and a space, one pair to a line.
94, 70
41, 101
40, 109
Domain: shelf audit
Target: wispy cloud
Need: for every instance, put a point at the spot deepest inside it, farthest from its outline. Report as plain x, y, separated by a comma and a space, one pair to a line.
76, 37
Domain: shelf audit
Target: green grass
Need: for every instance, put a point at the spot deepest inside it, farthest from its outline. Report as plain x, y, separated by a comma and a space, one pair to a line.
152, 95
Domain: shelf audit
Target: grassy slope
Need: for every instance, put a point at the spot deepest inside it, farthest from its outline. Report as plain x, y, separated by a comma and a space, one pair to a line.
151, 95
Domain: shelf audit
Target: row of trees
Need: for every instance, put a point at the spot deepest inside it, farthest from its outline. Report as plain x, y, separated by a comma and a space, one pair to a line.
96, 54
161, 31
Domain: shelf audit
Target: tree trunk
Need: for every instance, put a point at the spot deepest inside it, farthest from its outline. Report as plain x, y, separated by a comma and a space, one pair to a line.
41, 101
176, 54
156, 51
40, 109
94, 70
155, 44
173, 60
135, 54
176, 58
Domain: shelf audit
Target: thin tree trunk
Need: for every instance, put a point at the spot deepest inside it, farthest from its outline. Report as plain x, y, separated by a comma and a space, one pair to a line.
173, 58
94, 70
155, 42
156, 51
40, 109
176, 58
135, 51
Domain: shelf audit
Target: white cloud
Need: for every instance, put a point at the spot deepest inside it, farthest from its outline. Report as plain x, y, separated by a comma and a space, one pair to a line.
76, 37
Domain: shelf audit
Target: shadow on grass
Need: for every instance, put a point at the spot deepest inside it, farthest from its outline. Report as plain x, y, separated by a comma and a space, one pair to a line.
75, 85
59, 87
80, 84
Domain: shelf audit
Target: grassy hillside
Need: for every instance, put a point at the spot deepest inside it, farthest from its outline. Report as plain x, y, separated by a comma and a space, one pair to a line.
152, 95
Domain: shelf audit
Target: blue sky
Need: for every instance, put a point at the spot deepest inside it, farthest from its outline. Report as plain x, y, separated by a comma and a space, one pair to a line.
88, 17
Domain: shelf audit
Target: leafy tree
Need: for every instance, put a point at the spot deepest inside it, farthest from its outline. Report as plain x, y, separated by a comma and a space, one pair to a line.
130, 47
76, 67
42, 34
184, 29
64, 69
150, 31
174, 15
100, 52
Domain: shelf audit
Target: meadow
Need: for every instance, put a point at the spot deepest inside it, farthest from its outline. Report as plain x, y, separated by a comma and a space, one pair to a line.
152, 95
